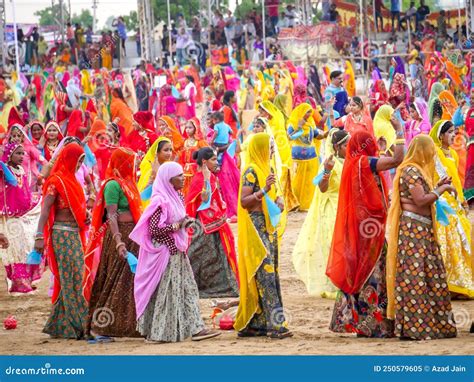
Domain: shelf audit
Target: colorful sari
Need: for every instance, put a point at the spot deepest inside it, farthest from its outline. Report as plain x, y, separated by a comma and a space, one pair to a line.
211, 249
304, 154
312, 247
414, 261
64, 247
20, 214
191, 145
119, 109
107, 278
260, 292
421, 126
356, 263
277, 124
455, 238
469, 179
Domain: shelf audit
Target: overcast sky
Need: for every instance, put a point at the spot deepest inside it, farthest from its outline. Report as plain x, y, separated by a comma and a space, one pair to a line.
25, 9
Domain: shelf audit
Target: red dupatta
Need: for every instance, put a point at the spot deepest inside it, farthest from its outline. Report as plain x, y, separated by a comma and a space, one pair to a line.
359, 232
213, 218
63, 178
121, 169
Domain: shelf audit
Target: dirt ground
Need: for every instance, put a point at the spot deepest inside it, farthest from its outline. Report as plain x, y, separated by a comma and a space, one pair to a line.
308, 318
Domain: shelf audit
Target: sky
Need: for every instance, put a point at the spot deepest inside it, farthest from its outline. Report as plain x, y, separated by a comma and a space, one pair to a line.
25, 9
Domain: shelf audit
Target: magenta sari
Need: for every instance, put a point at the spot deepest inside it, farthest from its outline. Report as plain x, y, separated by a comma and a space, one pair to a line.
229, 180
20, 213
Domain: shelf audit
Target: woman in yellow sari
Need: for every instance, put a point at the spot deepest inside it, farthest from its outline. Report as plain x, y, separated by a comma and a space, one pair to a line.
277, 124
260, 311
302, 132
312, 247
160, 152
455, 238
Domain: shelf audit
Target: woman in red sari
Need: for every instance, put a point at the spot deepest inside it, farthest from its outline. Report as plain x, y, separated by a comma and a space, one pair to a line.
212, 250
61, 234
194, 141
469, 179
143, 136
356, 263
51, 137
108, 280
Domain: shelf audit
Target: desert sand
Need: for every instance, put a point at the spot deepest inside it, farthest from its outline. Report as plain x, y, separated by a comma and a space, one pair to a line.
308, 318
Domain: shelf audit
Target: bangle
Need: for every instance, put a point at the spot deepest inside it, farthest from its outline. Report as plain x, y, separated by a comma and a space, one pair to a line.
436, 193
327, 172
117, 234
400, 141
39, 238
119, 245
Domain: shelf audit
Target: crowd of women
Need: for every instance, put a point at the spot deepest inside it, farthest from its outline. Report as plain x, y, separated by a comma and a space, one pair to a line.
130, 204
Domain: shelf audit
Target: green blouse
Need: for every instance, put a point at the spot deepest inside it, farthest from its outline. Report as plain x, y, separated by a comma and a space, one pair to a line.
114, 194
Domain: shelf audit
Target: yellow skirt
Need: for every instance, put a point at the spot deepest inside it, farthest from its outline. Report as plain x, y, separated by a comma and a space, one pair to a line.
303, 185
291, 202
455, 245
311, 251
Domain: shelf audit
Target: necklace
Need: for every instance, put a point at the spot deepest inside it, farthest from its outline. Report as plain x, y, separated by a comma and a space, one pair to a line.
18, 172
52, 146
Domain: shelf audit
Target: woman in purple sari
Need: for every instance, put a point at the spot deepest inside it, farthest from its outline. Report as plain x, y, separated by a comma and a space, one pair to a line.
166, 295
20, 213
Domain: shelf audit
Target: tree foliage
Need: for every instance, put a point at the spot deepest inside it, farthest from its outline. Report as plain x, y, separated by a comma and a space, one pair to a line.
188, 8
131, 21
51, 15
85, 18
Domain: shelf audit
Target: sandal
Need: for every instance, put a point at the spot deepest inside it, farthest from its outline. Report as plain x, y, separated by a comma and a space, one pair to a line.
153, 342
252, 333
280, 335
101, 340
205, 335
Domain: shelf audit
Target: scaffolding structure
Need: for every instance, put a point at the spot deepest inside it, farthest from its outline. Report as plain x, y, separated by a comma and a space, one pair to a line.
146, 23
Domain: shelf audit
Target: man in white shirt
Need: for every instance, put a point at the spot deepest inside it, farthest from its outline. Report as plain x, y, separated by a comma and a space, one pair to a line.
290, 16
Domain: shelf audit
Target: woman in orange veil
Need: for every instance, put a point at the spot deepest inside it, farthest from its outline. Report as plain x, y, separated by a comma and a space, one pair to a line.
356, 263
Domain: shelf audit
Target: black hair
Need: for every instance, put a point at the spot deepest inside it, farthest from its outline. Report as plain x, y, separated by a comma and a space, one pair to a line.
227, 96
119, 93
358, 101
446, 126
205, 153
161, 145
338, 136
335, 74
218, 115
190, 78
115, 127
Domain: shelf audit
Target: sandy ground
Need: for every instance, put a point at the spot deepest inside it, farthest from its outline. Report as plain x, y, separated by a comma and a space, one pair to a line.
308, 318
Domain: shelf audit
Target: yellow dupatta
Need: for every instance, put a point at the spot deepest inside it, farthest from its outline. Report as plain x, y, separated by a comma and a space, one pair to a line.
350, 79
383, 127
147, 164
297, 115
251, 249
420, 155
451, 166
278, 129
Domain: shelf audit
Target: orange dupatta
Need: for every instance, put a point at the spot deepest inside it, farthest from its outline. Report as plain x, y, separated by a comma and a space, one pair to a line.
63, 178
359, 231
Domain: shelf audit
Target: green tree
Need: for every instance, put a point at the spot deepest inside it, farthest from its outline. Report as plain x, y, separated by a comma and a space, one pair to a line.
85, 18
131, 21
188, 8
51, 15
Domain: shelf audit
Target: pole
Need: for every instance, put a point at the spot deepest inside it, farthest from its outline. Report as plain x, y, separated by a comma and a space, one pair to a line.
61, 19
362, 39
459, 14
169, 30
209, 26
375, 19
15, 33
94, 8
264, 32
466, 17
